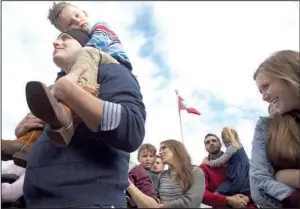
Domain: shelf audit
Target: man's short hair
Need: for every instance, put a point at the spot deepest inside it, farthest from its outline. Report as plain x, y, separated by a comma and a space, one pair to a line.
214, 135
147, 147
54, 12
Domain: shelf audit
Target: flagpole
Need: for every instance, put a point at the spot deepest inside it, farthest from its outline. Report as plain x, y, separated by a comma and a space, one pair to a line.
179, 115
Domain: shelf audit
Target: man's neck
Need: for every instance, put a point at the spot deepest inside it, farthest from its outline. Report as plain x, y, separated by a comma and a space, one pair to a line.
215, 156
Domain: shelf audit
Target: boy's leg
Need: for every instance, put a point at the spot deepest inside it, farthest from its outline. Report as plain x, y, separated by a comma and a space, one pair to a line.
90, 58
59, 117
44, 106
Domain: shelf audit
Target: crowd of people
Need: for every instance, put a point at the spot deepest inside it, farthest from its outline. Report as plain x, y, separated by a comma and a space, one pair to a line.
73, 148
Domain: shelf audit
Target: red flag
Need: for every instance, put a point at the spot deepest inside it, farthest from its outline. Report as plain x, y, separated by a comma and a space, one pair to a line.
183, 106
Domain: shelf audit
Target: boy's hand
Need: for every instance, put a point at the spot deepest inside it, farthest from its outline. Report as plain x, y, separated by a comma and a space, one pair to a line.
56, 90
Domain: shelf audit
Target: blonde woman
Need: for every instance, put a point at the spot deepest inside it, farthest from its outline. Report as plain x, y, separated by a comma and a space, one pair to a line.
276, 141
237, 165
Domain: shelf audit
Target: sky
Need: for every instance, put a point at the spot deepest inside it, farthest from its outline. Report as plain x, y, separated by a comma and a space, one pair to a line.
208, 51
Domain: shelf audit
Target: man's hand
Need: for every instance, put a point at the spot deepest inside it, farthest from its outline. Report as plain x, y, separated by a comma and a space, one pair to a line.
29, 123
73, 77
236, 201
161, 206
62, 87
245, 198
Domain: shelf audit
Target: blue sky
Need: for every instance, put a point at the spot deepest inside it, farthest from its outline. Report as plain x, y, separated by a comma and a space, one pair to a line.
145, 25
208, 51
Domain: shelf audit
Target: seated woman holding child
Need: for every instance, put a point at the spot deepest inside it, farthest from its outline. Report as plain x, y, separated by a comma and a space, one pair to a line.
181, 186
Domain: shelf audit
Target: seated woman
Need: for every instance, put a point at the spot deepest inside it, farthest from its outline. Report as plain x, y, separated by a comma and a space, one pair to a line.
276, 143
181, 186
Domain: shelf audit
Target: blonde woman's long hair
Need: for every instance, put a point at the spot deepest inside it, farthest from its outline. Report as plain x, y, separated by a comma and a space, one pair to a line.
284, 65
283, 138
283, 141
230, 136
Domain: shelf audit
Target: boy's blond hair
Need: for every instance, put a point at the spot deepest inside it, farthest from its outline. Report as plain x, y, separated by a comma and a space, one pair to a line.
54, 12
147, 147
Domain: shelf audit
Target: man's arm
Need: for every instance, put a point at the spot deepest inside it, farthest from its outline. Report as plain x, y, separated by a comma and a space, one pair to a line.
210, 198
118, 115
289, 177
193, 196
265, 190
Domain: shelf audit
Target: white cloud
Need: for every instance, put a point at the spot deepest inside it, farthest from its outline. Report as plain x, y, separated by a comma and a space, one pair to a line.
212, 49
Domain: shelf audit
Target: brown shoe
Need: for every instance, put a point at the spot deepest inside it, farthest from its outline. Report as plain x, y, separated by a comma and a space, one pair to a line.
44, 106
20, 159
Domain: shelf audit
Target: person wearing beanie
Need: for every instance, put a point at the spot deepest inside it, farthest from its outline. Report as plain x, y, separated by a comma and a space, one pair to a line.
65, 16
92, 171
61, 125
215, 176
80, 36
19, 148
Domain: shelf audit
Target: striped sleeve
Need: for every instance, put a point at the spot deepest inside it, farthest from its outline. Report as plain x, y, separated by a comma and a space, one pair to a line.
122, 122
102, 36
111, 116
